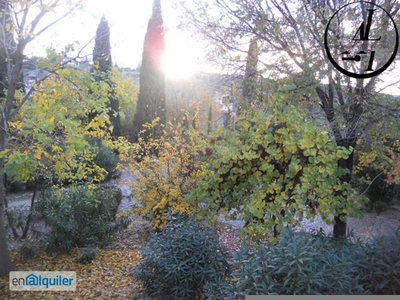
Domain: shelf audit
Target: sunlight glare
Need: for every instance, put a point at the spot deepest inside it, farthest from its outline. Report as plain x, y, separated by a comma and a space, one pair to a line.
180, 56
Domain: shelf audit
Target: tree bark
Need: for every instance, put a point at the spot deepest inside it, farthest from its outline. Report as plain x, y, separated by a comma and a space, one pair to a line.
340, 227
6, 264
342, 139
28, 221
5, 260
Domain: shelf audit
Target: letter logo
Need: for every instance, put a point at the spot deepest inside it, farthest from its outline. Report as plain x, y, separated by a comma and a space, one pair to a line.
361, 39
32, 280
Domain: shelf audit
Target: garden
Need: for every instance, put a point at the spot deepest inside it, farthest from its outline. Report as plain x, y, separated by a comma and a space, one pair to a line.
269, 177
165, 240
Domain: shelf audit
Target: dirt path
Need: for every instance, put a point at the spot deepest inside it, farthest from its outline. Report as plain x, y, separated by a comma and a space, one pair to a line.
371, 225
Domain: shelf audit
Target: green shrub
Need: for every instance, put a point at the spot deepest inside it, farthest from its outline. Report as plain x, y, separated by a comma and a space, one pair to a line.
28, 250
380, 193
380, 268
182, 261
80, 216
87, 255
268, 169
106, 158
164, 181
306, 264
299, 264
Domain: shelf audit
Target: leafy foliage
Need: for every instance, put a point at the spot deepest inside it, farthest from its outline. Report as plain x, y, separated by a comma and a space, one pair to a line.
106, 158
53, 140
394, 171
127, 93
165, 180
380, 265
377, 161
17, 36
309, 264
300, 264
181, 261
79, 216
270, 168
51, 134
380, 193
346, 104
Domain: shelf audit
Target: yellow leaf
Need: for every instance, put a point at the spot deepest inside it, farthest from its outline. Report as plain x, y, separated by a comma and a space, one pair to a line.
38, 154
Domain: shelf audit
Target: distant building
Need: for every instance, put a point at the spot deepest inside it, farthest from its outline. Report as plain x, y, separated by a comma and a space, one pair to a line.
33, 72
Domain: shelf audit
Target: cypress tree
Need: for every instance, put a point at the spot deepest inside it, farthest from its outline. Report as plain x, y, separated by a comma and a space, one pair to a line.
102, 47
102, 69
151, 99
209, 123
249, 91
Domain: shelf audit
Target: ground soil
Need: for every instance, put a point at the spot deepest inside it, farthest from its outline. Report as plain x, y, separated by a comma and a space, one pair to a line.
137, 235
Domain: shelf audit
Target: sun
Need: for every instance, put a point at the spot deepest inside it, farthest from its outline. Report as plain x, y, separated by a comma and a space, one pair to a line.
180, 57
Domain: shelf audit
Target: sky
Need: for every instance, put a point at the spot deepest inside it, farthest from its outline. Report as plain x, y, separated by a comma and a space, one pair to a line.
128, 24
184, 54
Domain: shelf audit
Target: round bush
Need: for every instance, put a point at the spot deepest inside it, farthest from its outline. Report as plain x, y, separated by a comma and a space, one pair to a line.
310, 264
182, 261
107, 159
297, 265
79, 216
381, 194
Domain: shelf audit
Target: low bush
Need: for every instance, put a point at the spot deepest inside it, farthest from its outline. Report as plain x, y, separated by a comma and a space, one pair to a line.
80, 216
269, 168
164, 180
380, 193
87, 255
182, 261
306, 264
28, 250
106, 158
379, 267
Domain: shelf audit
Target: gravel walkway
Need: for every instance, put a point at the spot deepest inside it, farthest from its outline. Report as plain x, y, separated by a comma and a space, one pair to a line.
371, 225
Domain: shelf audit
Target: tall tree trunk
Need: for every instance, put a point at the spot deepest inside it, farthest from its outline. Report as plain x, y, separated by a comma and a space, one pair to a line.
340, 227
347, 139
5, 260
10, 219
28, 221
6, 264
